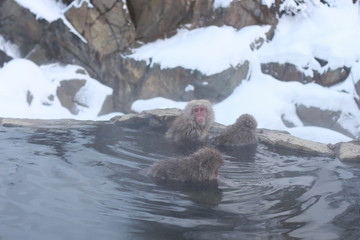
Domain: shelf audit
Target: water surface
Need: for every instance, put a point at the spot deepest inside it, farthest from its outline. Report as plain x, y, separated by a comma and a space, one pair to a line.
89, 183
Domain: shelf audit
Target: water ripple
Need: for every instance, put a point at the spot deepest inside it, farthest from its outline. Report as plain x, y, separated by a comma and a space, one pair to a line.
89, 183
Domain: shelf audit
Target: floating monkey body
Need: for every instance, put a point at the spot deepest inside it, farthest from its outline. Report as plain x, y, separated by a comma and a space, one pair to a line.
203, 165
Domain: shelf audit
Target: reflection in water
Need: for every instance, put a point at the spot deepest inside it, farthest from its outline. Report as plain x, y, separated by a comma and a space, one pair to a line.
206, 194
89, 183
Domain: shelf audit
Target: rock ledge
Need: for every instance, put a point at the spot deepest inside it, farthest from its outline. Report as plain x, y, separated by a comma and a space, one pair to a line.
161, 118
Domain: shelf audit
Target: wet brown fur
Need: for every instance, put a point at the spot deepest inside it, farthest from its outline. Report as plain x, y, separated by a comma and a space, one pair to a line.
185, 127
203, 165
242, 132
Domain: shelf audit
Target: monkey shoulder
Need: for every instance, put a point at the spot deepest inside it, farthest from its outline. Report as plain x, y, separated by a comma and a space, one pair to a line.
184, 128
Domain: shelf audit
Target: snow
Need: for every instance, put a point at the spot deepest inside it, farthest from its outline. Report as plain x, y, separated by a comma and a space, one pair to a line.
10, 48
322, 134
329, 33
268, 3
31, 92
228, 47
189, 88
226, 3
50, 10
90, 97
297, 40
17, 86
280, 98
222, 3
158, 102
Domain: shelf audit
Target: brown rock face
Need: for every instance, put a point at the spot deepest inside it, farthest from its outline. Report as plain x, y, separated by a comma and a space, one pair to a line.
156, 18
332, 77
145, 81
290, 72
4, 58
218, 86
357, 88
285, 72
312, 116
106, 26
160, 18
110, 28
241, 14
66, 93
107, 106
59, 44
20, 26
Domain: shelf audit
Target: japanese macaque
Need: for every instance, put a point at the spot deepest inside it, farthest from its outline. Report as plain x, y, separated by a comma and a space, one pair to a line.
203, 165
193, 123
242, 132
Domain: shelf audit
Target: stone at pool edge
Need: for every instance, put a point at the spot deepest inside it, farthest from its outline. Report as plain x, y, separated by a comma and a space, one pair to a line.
285, 140
349, 151
345, 151
154, 118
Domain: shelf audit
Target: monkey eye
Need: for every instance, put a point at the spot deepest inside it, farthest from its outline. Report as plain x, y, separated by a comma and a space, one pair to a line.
199, 109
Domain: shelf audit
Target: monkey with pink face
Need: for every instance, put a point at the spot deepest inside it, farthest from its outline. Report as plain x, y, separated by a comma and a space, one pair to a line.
193, 123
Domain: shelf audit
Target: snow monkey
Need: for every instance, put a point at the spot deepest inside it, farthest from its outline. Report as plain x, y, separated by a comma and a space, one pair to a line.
193, 123
242, 132
203, 165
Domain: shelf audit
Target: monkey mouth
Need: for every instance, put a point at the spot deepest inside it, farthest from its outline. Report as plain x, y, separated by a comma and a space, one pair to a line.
201, 120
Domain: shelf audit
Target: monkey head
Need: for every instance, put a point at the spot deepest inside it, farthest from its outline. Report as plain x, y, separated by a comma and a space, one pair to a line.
246, 121
200, 111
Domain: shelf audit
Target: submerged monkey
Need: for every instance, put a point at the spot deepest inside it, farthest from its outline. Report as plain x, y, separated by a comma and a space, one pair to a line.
242, 132
193, 123
203, 165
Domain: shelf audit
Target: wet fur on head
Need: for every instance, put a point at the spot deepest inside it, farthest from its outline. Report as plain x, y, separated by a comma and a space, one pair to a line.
242, 132
246, 122
185, 127
203, 165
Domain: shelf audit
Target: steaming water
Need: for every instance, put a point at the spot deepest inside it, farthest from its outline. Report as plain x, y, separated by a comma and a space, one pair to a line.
89, 183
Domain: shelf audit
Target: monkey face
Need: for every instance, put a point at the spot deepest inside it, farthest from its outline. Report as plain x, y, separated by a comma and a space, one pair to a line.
193, 123
200, 113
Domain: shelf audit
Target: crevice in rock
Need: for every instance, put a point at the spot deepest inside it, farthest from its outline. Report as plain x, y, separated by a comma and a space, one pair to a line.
322, 62
252, 14
131, 12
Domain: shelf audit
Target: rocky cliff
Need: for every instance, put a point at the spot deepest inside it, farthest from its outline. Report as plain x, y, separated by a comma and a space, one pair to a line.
99, 35
107, 29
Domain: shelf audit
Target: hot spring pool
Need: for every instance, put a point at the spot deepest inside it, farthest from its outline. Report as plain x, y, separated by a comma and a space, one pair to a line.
88, 183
